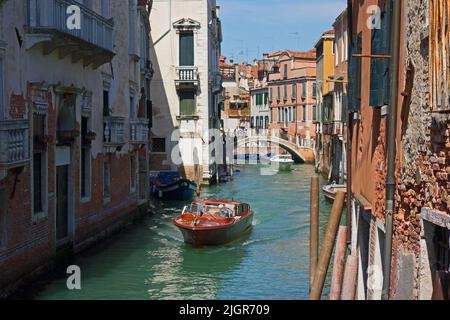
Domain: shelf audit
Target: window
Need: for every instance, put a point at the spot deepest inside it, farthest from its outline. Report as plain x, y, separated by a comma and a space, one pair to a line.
314, 109
294, 91
105, 7
336, 55
106, 109
304, 90
271, 94
314, 93
133, 173
159, 145
38, 183
132, 108
252, 122
279, 92
266, 122
106, 179
265, 99
85, 159
39, 163
304, 113
285, 71
294, 114
285, 92
132, 13
186, 48
345, 49
187, 103
354, 84
379, 68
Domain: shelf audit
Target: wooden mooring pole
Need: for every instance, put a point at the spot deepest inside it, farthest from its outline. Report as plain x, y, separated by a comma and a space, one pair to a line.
338, 264
314, 229
327, 247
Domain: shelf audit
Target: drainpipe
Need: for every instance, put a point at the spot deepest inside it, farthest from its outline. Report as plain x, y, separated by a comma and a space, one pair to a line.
391, 146
349, 132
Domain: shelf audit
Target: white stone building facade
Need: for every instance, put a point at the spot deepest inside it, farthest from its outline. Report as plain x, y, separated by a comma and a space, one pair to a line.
186, 87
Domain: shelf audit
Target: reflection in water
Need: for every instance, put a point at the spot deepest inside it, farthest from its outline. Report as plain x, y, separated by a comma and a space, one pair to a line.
151, 261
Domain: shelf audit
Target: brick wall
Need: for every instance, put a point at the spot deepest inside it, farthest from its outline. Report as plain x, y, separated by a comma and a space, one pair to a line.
424, 153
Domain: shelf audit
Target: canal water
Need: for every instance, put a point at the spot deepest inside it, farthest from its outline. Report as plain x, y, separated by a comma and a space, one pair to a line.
149, 260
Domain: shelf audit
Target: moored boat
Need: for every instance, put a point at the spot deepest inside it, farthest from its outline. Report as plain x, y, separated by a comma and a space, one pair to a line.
214, 222
329, 190
284, 162
170, 185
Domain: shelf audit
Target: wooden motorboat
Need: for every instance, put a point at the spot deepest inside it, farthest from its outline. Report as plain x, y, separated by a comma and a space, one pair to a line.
214, 222
329, 190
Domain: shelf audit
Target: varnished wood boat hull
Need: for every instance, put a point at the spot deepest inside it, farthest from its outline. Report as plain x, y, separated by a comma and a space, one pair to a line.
217, 236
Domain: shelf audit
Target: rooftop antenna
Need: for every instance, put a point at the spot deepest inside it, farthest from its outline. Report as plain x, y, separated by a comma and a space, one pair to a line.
297, 34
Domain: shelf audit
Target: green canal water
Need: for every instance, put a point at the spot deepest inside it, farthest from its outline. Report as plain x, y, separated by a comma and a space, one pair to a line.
149, 260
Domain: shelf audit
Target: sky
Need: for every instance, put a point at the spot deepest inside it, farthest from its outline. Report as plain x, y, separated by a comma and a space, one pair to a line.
254, 27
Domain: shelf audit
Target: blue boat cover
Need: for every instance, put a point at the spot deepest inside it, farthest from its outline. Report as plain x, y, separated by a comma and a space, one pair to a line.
168, 177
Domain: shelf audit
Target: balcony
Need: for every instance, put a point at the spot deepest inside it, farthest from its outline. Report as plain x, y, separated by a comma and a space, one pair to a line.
187, 76
139, 131
238, 113
91, 43
114, 133
14, 144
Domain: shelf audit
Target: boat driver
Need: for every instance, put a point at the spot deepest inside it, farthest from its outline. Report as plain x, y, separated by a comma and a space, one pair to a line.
224, 212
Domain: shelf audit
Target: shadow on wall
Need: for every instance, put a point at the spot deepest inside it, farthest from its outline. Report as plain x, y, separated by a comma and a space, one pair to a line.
163, 127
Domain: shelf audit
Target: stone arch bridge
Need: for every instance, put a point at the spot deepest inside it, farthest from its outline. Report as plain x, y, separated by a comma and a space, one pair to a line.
299, 154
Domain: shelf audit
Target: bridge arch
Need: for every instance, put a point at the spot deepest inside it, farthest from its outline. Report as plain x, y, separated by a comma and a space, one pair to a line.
299, 154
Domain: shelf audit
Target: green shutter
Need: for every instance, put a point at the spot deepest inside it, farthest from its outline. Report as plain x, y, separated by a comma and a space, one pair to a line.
294, 91
354, 85
379, 67
279, 92
186, 49
304, 89
187, 103
285, 92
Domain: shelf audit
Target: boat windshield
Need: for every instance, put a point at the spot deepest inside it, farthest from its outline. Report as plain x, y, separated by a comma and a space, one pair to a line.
225, 210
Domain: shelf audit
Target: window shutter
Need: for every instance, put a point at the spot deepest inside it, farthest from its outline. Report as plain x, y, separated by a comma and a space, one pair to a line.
379, 67
354, 85
186, 49
386, 44
187, 103
376, 71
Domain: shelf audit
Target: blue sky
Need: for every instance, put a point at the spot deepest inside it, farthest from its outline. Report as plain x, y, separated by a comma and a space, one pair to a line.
252, 27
